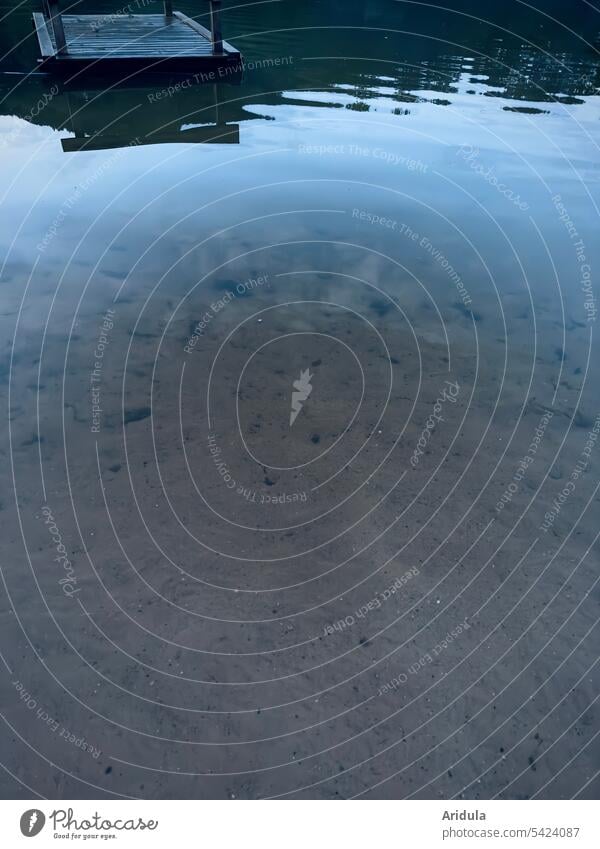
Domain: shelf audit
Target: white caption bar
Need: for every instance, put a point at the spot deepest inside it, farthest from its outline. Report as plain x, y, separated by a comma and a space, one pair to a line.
301, 824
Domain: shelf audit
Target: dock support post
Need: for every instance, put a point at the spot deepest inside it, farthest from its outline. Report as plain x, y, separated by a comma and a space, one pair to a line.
215, 27
168, 8
57, 26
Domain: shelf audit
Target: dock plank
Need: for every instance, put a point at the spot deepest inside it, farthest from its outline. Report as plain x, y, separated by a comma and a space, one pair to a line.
197, 27
46, 46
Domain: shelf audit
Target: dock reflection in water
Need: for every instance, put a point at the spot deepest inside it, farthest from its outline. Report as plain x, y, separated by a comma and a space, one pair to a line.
99, 119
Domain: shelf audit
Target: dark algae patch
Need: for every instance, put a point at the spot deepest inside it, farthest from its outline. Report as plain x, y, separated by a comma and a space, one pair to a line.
136, 414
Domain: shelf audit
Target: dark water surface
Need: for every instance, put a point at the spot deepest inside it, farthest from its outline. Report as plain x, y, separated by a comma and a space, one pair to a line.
393, 234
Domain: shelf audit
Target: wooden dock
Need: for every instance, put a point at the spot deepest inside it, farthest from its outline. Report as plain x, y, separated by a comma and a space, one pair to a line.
130, 44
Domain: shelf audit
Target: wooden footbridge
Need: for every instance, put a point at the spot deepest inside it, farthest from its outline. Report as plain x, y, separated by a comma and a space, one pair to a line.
125, 44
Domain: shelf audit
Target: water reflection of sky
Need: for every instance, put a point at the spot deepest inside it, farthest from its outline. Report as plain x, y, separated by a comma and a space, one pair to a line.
390, 159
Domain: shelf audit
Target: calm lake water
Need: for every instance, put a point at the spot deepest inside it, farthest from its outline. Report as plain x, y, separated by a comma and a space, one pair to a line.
300, 484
